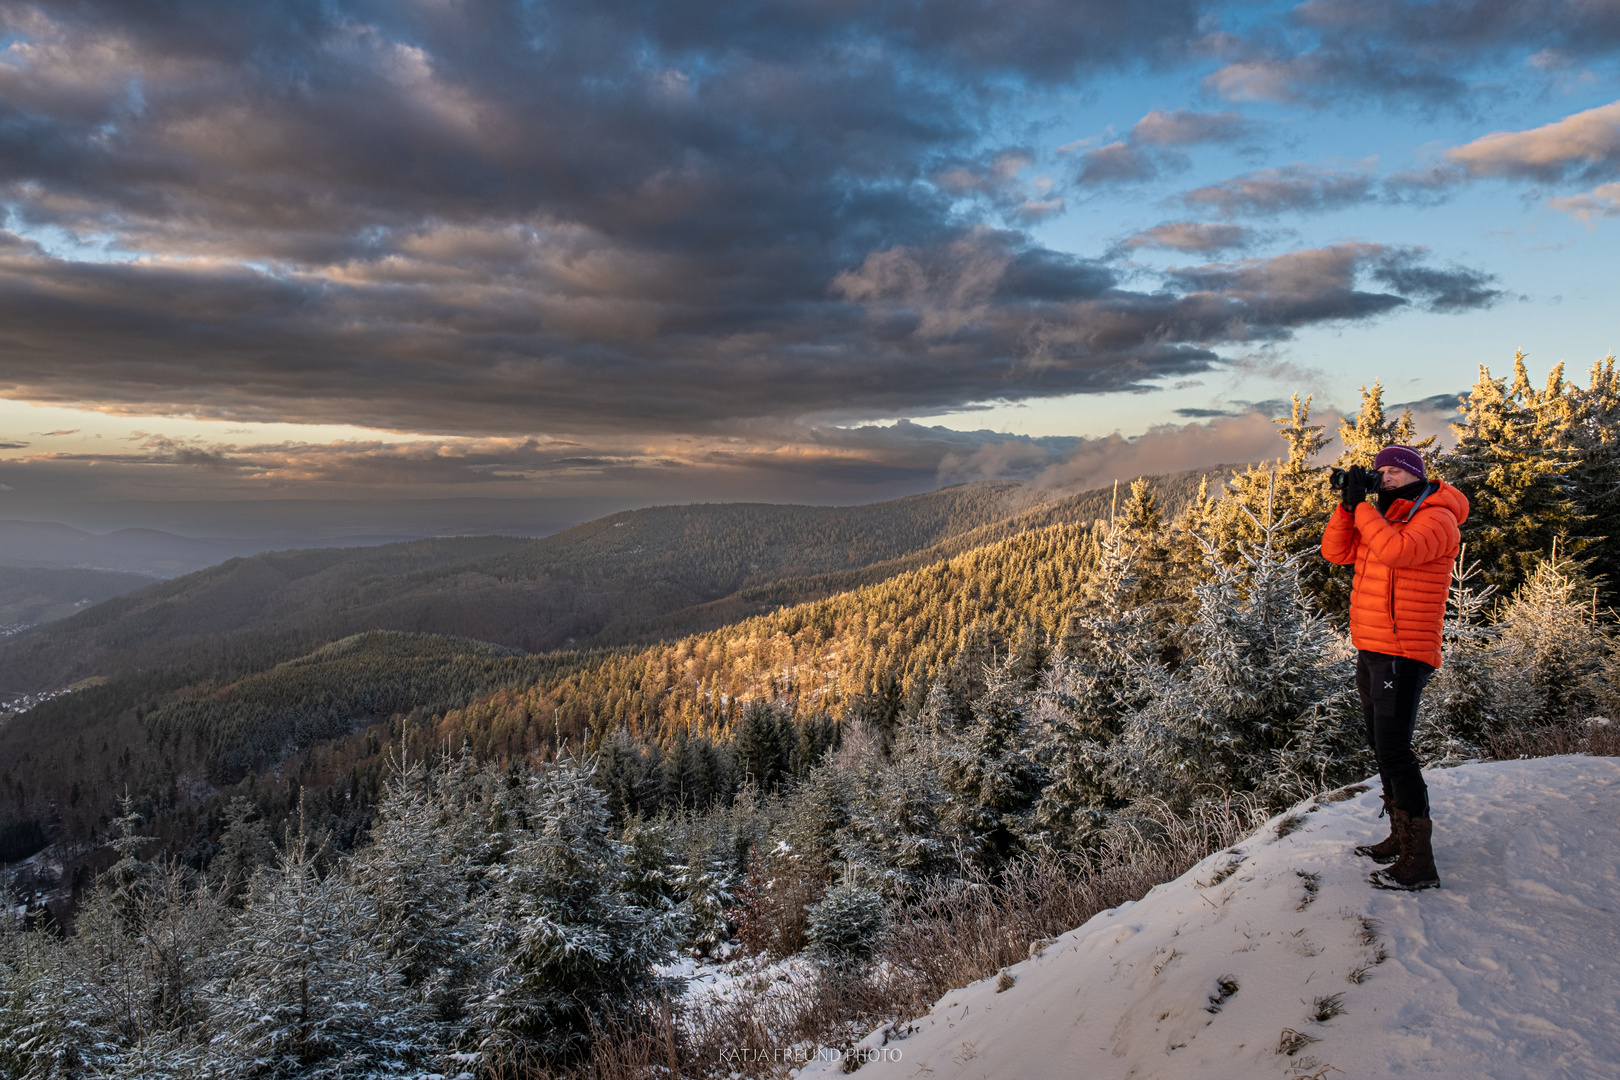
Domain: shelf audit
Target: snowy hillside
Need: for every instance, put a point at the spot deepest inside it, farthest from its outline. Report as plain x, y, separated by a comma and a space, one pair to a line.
1278, 959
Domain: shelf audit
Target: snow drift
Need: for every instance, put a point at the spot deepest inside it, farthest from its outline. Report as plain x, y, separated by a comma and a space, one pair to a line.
1277, 958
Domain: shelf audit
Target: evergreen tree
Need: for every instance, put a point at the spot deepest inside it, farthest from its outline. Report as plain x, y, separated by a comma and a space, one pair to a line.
1263, 700
1594, 437
895, 834
628, 772
763, 745
569, 946
1371, 431
989, 774
1512, 459
309, 988
1295, 493
1551, 648
1108, 669
847, 926
145, 955
706, 897
243, 848
418, 872
46, 1033
1141, 513
880, 709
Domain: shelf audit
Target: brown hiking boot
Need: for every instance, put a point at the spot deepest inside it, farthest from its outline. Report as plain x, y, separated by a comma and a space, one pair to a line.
1415, 868
1388, 849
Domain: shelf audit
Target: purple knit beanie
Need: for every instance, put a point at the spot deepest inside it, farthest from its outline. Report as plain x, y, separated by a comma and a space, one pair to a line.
1403, 457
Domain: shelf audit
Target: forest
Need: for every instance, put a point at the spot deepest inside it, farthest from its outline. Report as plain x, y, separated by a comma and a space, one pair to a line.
401, 854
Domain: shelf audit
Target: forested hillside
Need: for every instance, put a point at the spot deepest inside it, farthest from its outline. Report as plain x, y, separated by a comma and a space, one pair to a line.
44, 594
631, 577
202, 702
172, 738
534, 595
818, 656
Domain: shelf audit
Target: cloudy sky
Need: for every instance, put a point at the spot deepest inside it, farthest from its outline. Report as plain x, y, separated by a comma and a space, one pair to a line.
576, 256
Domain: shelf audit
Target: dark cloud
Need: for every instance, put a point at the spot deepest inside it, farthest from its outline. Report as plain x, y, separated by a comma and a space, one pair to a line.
1120, 162
1434, 403
1297, 187
1424, 53
491, 216
13, 445
1237, 408
501, 333
996, 179
1320, 285
1458, 289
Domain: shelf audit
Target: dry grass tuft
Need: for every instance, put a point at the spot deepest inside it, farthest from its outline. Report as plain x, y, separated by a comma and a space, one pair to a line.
1222, 872
1312, 884
1225, 987
1327, 1007
1290, 823
1597, 736
1328, 798
1291, 1042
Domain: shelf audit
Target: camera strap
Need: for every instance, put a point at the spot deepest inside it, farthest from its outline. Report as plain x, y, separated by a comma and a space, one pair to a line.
1428, 489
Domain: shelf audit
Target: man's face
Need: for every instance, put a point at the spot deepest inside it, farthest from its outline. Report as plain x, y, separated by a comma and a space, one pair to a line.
1397, 477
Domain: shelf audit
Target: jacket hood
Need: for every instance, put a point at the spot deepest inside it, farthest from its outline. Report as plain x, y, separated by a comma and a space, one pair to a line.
1446, 496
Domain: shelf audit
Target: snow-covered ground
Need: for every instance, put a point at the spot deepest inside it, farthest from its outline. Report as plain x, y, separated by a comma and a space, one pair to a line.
1281, 960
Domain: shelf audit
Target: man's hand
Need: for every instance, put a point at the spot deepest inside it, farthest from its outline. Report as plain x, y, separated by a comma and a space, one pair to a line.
1354, 492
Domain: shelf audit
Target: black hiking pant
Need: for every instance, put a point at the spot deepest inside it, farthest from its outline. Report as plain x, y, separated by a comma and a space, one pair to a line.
1390, 688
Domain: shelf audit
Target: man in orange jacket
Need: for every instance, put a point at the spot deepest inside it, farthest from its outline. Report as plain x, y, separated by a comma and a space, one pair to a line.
1403, 552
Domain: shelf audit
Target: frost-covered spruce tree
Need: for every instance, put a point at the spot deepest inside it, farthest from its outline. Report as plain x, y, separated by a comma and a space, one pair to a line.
568, 945
418, 872
707, 896
813, 814
46, 1033
847, 925
1461, 707
895, 835
310, 989
123, 989
145, 955
1263, 701
988, 771
1107, 670
1552, 649
244, 846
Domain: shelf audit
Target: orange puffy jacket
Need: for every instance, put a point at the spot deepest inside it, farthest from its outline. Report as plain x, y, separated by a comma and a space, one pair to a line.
1403, 570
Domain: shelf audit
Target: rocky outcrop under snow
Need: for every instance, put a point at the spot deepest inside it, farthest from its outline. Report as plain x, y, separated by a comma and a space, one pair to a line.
1279, 959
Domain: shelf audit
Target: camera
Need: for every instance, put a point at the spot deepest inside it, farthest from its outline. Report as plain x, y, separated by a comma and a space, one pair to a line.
1370, 479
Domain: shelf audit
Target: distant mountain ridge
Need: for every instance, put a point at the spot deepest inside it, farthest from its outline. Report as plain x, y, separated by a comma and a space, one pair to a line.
152, 552
246, 614
632, 577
